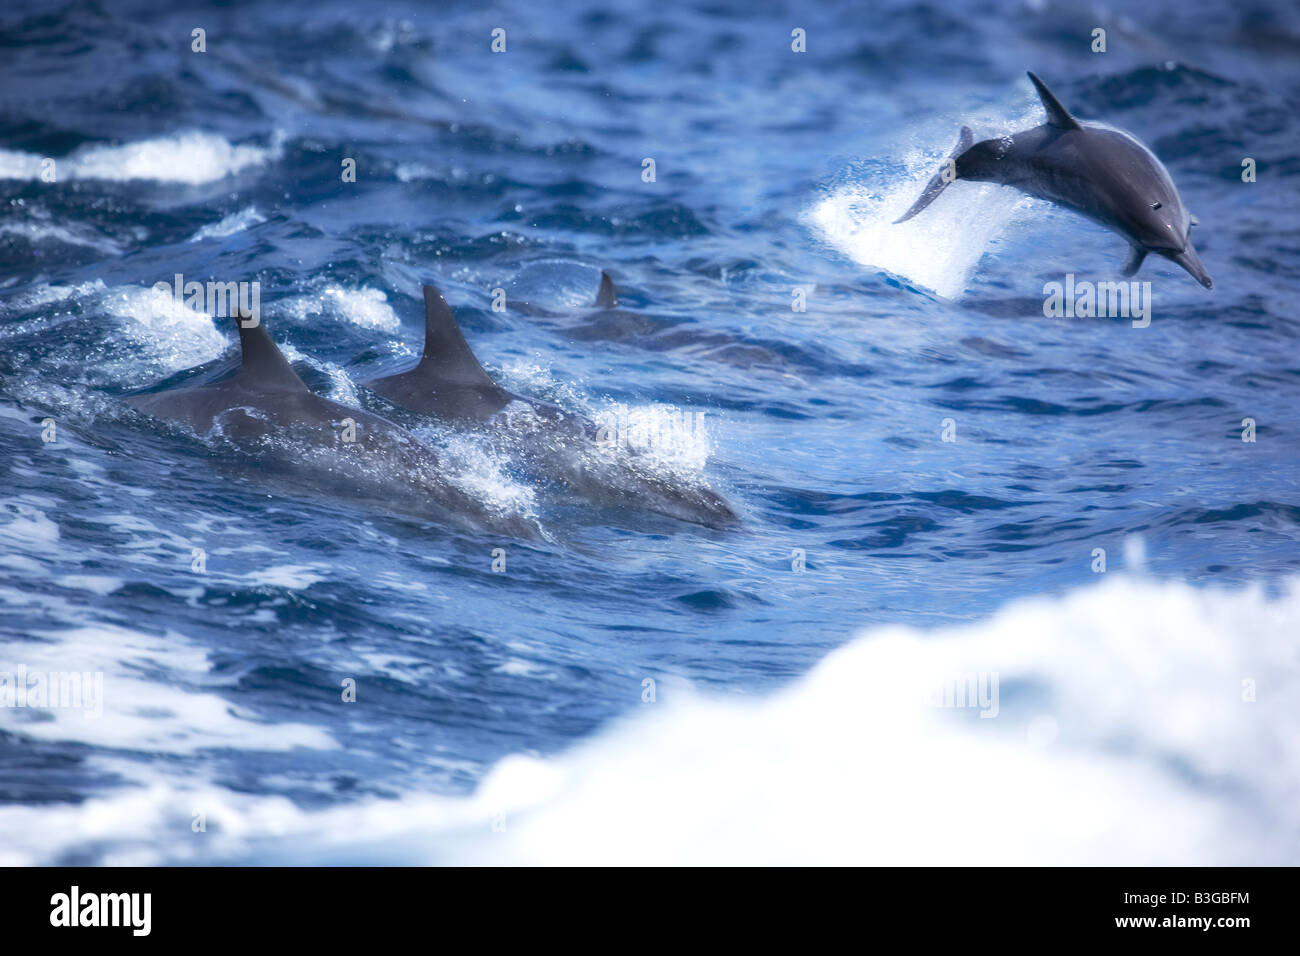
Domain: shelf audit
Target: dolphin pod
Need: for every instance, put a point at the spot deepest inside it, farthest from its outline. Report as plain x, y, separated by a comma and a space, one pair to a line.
265, 405
1103, 173
266, 408
448, 384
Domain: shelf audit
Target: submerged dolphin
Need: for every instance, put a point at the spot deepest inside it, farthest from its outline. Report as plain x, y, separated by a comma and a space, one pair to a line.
607, 294
1104, 173
266, 407
449, 384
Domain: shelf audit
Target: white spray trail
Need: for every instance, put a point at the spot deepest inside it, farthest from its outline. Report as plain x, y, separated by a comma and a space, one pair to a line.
940, 248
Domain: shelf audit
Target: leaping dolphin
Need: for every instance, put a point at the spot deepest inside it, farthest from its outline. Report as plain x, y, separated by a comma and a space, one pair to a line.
265, 407
449, 384
1102, 172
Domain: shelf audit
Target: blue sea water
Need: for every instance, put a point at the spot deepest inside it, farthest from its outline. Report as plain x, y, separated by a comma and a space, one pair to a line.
775, 171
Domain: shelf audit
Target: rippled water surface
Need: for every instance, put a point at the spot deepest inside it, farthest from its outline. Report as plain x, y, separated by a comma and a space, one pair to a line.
775, 172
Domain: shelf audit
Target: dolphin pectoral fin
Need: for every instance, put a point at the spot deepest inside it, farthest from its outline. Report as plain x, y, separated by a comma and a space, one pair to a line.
940, 180
1134, 261
1057, 115
1192, 221
607, 295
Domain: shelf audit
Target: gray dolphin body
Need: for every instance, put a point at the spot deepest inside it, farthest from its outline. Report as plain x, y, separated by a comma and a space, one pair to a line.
449, 384
267, 409
1104, 173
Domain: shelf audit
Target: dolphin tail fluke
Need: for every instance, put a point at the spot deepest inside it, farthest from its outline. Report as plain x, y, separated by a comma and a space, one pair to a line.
607, 295
942, 178
1134, 261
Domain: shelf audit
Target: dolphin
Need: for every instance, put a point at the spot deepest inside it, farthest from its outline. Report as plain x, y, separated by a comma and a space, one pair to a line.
607, 294
266, 408
561, 285
450, 385
1101, 172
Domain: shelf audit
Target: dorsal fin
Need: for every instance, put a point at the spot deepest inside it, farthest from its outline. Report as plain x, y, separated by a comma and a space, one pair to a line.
607, 294
447, 356
263, 364
1057, 115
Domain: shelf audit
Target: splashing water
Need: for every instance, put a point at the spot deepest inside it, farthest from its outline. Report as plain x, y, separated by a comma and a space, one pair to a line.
941, 247
190, 158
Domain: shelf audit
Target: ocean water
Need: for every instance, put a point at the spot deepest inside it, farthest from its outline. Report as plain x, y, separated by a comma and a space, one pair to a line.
1098, 553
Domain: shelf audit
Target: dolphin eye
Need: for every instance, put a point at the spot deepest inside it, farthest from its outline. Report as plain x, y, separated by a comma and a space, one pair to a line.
1155, 205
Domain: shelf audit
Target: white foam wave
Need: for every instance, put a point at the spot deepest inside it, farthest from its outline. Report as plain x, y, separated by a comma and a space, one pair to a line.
229, 225
135, 712
294, 577
480, 472
69, 235
664, 437
191, 158
1137, 723
341, 387
367, 308
941, 247
24, 524
173, 335
45, 294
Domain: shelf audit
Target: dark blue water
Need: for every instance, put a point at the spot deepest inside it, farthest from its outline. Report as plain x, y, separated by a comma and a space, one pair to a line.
824, 427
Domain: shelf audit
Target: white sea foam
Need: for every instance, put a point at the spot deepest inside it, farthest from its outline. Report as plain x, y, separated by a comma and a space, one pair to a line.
191, 158
23, 523
481, 473
666, 438
412, 172
173, 335
940, 248
100, 584
341, 388
140, 713
229, 225
294, 577
45, 294
367, 308
1126, 733
19, 165
68, 235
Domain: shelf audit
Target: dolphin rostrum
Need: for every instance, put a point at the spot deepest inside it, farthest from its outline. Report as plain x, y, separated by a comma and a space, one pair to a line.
1102, 172
266, 408
449, 384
